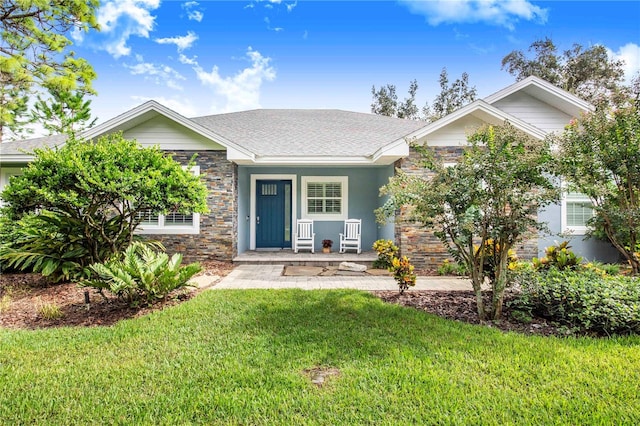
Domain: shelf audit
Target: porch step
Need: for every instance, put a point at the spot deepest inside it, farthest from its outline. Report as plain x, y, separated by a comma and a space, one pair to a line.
289, 258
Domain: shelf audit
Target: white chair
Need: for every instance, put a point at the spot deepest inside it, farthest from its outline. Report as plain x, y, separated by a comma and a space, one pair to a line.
350, 239
304, 236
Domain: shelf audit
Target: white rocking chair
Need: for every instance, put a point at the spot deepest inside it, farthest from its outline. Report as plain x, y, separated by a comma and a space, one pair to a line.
304, 236
351, 237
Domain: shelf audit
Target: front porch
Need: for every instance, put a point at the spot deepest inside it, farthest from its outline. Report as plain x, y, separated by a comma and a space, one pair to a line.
303, 258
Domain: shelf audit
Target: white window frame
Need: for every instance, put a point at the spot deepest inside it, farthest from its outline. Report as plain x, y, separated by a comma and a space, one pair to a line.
344, 182
5, 175
574, 230
160, 228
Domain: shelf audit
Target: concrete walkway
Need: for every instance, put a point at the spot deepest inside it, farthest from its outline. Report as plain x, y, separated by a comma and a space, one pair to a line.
272, 276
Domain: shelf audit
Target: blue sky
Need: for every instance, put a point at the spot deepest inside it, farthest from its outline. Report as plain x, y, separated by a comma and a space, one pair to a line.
207, 57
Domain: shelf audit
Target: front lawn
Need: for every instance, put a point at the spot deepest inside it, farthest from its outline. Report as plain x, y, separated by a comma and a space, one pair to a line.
251, 357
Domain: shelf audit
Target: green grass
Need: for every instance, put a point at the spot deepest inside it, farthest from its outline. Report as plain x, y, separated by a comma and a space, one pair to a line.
238, 357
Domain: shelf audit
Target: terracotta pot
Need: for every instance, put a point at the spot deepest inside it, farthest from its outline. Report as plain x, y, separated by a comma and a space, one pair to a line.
326, 249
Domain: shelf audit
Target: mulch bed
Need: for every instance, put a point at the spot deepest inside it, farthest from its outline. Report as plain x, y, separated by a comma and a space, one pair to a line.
461, 306
22, 297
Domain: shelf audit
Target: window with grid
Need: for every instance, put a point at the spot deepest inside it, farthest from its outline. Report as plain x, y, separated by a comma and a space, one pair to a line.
577, 212
171, 223
324, 197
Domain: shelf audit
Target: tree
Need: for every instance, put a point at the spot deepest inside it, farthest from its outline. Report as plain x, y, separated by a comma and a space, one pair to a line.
34, 52
482, 206
96, 193
588, 73
385, 102
64, 112
599, 155
451, 97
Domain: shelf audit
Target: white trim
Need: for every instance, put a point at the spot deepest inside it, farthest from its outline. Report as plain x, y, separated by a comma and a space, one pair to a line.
483, 111
573, 230
161, 229
344, 182
144, 112
5, 175
252, 202
16, 158
544, 86
378, 159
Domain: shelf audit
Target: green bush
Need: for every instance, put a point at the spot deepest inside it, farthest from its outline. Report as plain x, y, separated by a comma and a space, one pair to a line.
142, 275
603, 268
558, 256
46, 243
88, 197
491, 258
583, 300
452, 268
403, 273
386, 252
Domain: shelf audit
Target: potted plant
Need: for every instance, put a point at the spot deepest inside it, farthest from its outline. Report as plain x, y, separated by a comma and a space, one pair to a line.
326, 246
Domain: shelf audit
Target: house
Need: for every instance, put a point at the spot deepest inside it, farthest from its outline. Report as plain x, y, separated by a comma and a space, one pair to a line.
267, 168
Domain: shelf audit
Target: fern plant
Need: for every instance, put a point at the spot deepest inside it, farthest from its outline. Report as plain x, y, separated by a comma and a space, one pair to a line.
143, 274
45, 243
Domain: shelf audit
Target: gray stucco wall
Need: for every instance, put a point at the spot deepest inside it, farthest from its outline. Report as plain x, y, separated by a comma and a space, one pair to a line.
588, 248
364, 185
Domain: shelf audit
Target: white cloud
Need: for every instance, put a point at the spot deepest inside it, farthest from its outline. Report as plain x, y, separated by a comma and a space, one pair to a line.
192, 13
187, 61
241, 91
270, 28
182, 42
291, 6
120, 19
161, 75
630, 54
503, 13
181, 106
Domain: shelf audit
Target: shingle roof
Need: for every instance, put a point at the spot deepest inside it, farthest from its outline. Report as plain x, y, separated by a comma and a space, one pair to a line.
314, 132
28, 145
284, 132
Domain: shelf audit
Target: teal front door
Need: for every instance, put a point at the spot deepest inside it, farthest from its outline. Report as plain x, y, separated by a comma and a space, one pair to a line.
273, 214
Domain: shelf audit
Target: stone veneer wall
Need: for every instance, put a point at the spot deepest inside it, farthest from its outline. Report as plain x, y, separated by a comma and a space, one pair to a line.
418, 243
218, 235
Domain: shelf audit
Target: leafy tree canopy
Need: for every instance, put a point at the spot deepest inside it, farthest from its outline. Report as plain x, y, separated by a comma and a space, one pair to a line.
482, 206
599, 154
34, 52
64, 112
588, 73
451, 97
101, 187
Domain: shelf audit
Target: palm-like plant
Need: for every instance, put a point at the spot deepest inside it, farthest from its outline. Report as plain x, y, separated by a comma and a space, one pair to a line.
142, 274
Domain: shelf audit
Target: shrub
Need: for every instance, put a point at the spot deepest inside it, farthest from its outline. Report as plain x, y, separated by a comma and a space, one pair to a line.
558, 256
386, 252
142, 274
403, 273
452, 268
46, 243
492, 258
603, 268
50, 311
90, 195
5, 302
583, 300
